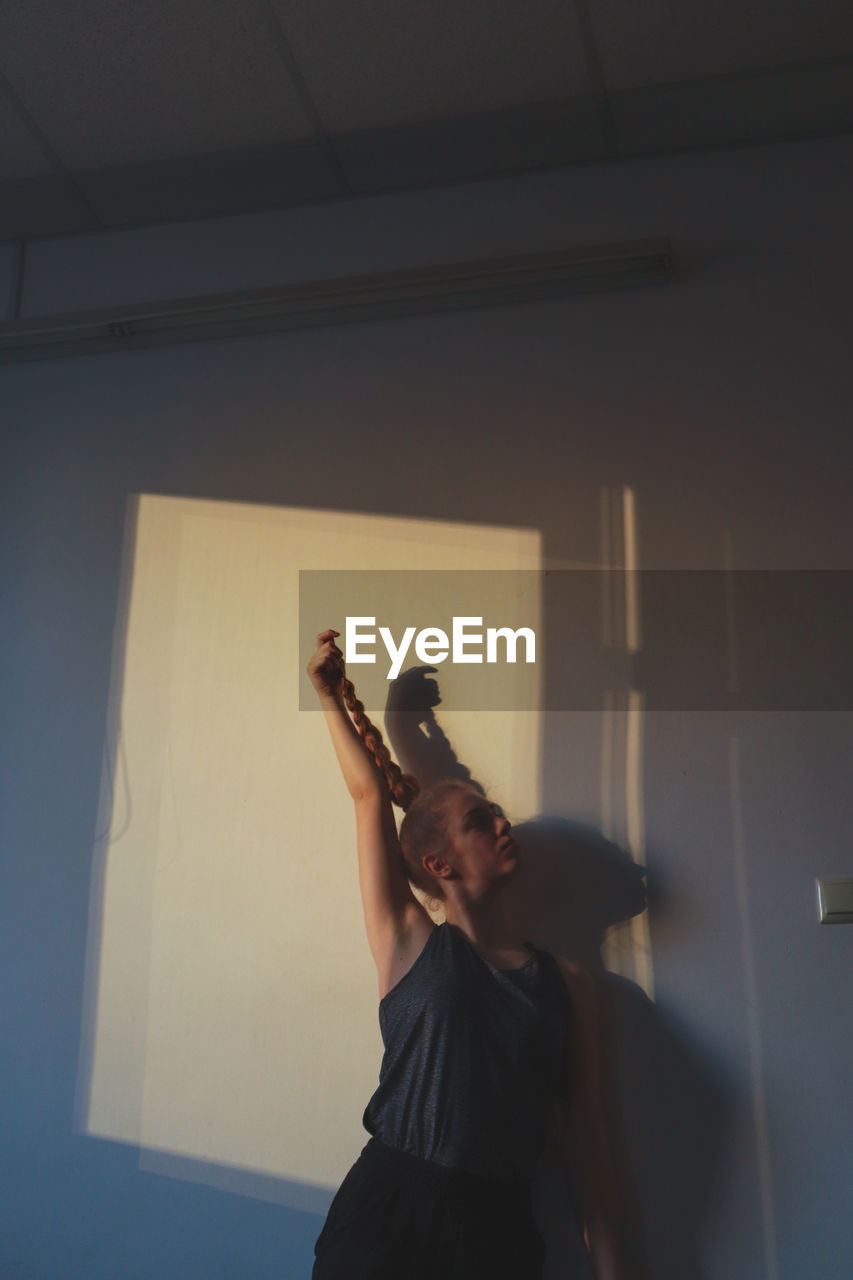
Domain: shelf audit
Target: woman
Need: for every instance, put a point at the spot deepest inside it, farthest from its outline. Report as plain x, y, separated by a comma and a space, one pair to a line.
480, 1034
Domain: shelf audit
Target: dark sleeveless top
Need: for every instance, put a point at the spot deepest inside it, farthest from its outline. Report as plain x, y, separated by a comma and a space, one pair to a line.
474, 1057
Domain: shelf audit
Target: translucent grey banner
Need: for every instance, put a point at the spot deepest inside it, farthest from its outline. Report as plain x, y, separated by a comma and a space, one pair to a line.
575, 640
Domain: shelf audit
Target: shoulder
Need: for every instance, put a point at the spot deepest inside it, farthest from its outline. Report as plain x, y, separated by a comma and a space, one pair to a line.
585, 997
585, 991
580, 981
407, 948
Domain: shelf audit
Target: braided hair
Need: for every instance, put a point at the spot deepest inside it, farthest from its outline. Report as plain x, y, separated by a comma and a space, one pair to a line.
423, 827
402, 786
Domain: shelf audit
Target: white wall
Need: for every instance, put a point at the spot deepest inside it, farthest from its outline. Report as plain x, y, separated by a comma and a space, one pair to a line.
721, 399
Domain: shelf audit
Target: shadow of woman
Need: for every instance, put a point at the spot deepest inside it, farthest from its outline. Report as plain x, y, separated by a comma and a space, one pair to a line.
667, 1104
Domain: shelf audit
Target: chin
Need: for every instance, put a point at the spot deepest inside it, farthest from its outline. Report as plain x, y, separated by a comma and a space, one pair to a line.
513, 867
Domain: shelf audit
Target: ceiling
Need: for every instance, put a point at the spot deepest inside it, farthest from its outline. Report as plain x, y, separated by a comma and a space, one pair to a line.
116, 113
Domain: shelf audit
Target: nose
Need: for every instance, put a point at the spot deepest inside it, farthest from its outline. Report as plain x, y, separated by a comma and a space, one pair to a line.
502, 825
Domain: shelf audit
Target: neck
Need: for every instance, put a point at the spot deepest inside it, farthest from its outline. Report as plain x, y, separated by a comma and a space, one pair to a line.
491, 925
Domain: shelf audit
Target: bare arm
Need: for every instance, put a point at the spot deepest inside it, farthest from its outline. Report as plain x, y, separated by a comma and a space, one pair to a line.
585, 1138
360, 772
396, 923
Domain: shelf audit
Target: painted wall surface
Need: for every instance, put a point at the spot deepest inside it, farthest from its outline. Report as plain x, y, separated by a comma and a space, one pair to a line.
720, 401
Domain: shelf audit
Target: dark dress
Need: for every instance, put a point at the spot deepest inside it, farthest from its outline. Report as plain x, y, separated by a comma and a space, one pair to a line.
474, 1057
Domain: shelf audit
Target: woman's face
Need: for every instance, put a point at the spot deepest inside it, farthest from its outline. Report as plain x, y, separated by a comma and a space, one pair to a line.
480, 847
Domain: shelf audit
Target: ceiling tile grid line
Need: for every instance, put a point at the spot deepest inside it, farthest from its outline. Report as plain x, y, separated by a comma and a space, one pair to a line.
37, 219
21, 154
16, 281
796, 101
47, 150
44, 218
596, 74
763, 72
309, 106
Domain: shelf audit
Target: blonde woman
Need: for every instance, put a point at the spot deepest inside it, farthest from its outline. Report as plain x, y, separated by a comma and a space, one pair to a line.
482, 1036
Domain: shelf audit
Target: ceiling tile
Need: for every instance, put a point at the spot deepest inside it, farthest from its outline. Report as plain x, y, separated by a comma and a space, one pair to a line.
482, 146
665, 40
782, 103
209, 186
374, 63
113, 83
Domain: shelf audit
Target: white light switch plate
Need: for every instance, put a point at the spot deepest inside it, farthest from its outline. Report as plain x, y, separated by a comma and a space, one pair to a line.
835, 900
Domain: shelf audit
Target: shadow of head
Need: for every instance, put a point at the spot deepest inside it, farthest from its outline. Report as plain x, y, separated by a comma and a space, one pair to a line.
574, 885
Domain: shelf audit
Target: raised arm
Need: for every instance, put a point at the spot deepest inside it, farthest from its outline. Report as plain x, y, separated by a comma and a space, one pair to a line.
396, 923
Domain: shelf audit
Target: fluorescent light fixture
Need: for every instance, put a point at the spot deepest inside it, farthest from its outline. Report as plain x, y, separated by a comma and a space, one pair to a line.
345, 300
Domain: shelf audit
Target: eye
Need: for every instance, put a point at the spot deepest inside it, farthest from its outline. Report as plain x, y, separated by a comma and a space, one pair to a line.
481, 819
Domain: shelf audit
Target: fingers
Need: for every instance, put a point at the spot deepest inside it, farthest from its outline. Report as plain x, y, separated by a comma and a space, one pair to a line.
327, 654
326, 664
326, 644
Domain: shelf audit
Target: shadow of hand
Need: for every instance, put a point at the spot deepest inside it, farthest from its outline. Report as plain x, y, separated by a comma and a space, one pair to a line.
417, 739
414, 694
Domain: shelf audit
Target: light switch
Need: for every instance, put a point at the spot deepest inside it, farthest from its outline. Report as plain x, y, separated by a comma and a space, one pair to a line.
835, 900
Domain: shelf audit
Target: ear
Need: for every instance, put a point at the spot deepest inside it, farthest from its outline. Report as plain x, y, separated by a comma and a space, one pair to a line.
437, 866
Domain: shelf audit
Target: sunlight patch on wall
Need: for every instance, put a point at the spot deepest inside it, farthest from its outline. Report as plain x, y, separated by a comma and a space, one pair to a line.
231, 1005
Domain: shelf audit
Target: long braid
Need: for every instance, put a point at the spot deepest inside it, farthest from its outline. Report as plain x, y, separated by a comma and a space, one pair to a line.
423, 826
402, 786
